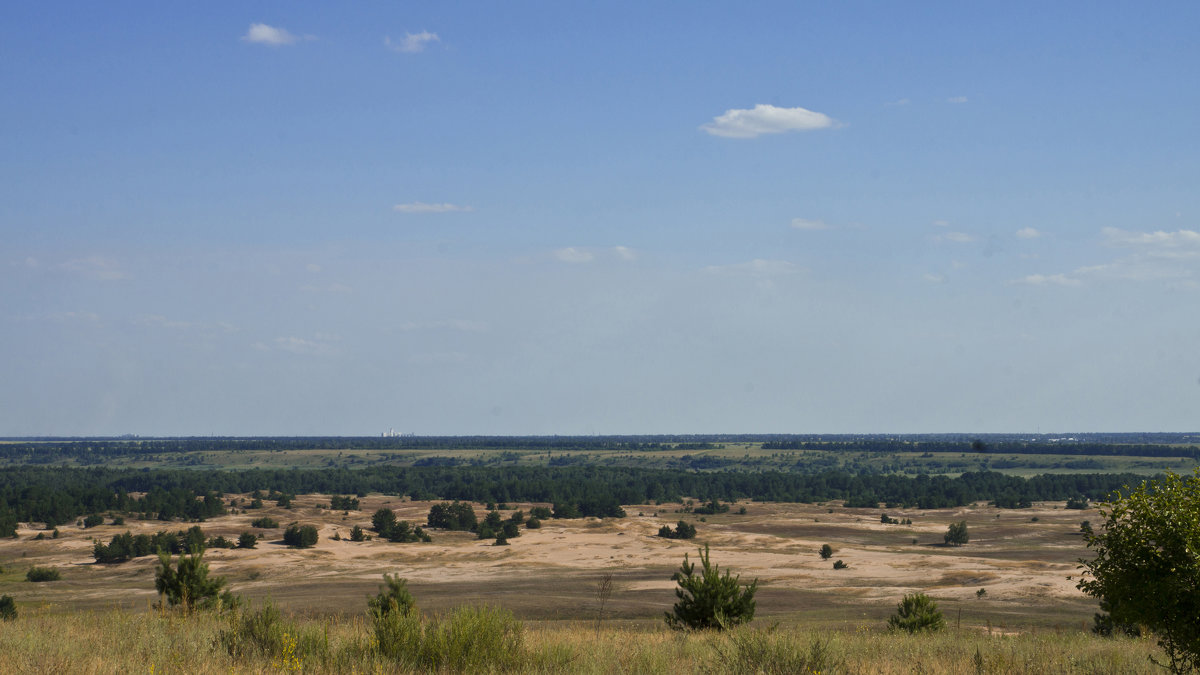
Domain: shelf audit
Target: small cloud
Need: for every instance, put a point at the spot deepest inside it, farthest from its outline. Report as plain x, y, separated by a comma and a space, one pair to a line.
806, 224
422, 207
161, 321
412, 43
331, 288
757, 267
933, 278
625, 253
464, 325
313, 267
766, 119
957, 99
898, 102
438, 359
956, 237
941, 223
571, 254
1028, 233
296, 345
1048, 280
262, 34
73, 316
95, 267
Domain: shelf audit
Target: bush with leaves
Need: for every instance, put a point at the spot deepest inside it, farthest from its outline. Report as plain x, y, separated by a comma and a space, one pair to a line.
454, 516
708, 599
357, 534
300, 536
683, 530
265, 523
917, 613
957, 535
40, 574
1146, 570
840, 565
826, 552
187, 583
8, 608
393, 597
247, 540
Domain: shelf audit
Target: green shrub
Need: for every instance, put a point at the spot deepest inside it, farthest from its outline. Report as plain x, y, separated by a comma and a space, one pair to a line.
39, 574
266, 523
765, 651
300, 536
709, 600
917, 612
956, 534
393, 597
467, 639
540, 512
8, 608
188, 583
840, 565
93, 520
826, 552
683, 530
357, 534
247, 540
533, 523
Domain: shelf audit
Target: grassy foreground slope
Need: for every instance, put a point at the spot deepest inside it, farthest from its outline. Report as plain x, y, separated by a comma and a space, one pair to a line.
132, 642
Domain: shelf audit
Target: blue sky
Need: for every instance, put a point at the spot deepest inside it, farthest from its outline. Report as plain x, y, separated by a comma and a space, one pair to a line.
538, 218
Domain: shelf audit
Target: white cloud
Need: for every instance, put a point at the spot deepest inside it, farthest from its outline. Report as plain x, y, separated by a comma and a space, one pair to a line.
1160, 243
1048, 279
296, 345
941, 223
161, 321
313, 267
806, 224
465, 325
933, 278
898, 102
422, 207
957, 99
412, 43
956, 237
766, 119
757, 267
1028, 233
625, 253
571, 254
95, 267
262, 34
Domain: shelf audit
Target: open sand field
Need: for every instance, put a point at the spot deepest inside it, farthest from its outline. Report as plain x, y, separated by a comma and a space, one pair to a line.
1027, 568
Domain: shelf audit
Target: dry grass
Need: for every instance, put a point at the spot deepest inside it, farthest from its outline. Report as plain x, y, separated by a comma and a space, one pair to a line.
117, 641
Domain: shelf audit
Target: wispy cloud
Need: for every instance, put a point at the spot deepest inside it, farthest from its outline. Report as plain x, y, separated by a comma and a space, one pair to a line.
464, 325
957, 99
95, 267
571, 254
1048, 280
161, 321
807, 224
933, 278
422, 207
262, 34
1181, 243
757, 267
956, 237
412, 43
1028, 233
625, 253
898, 102
297, 345
941, 223
766, 119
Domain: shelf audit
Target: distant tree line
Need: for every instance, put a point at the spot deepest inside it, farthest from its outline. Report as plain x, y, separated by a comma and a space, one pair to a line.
99, 450
59, 495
